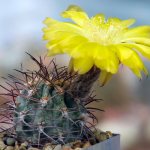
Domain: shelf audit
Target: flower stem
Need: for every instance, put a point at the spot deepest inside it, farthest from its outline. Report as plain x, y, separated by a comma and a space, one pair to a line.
82, 84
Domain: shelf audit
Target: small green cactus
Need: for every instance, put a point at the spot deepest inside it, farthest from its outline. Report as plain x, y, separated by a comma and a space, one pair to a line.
49, 105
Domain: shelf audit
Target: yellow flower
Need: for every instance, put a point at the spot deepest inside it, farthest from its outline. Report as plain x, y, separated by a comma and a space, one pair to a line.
97, 41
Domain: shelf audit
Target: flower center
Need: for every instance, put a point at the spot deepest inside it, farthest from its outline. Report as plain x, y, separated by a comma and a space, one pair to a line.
104, 34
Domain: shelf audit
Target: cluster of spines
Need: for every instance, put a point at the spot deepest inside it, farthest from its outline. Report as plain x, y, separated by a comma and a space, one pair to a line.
58, 78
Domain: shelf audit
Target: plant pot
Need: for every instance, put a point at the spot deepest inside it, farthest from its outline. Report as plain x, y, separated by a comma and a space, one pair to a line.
112, 143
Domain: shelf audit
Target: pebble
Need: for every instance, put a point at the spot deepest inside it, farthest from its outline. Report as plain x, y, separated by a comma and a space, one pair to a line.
2, 145
21, 148
25, 144
77, 144
48, 147
109, 134
16, 146
67, 148
58, 147
32, 148
9, 148
102, 136
2, 134
87, 145
10, 141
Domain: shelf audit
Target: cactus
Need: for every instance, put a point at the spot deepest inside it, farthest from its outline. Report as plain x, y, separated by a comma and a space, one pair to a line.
49, 105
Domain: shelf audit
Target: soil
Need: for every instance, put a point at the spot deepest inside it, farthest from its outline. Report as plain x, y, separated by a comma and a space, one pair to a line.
9, 143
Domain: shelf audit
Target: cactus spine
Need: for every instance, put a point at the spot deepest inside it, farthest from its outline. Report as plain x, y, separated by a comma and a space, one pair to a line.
49, 105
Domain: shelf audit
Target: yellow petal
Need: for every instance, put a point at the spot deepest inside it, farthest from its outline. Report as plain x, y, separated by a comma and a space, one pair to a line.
82, 65
119, 24
131, 59
106, 59
123, 53
137, 72
144, 50
86, 49
54, 26
104, 77
54, 50
127, 23
49, 21
73, 47
74, 8
141, 31
76, 14
140, 40
68, 43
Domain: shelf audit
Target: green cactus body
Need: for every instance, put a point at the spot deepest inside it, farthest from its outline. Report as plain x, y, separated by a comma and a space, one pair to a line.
48, 106
46, 115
